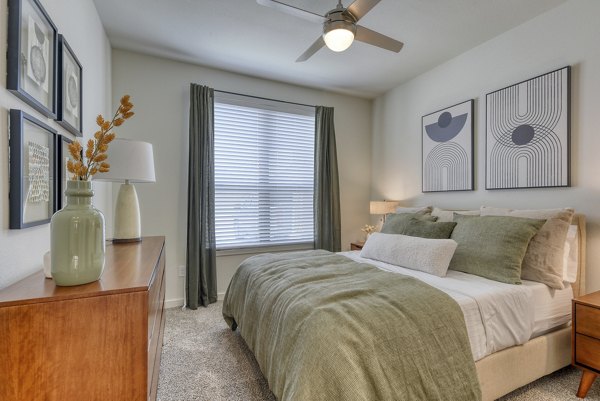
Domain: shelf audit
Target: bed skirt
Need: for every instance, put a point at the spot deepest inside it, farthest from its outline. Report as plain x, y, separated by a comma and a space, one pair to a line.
507, 370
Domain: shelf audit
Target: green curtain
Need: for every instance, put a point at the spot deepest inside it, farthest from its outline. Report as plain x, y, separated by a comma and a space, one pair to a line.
327, 187
201, 278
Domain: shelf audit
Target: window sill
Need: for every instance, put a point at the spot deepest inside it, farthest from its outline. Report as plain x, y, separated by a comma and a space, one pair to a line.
265, 249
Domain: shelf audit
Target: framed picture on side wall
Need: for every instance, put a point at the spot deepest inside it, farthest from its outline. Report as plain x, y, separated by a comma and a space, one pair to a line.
32, 171
447, 146
69, 89
31, 55
528, 135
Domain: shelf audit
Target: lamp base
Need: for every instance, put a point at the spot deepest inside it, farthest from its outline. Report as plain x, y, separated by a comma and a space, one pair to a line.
127, 226
126, 240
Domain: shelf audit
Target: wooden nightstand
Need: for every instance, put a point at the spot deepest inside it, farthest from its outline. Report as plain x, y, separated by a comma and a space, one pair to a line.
585, 346
356, 246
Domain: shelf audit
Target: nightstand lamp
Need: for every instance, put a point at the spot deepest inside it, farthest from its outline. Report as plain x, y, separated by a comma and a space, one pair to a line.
130, 162
383, 207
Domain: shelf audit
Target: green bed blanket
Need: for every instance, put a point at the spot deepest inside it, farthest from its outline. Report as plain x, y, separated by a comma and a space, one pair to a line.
324, 327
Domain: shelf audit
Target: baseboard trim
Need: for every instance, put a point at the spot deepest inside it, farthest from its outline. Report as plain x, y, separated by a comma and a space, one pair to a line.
173, 303
177, 302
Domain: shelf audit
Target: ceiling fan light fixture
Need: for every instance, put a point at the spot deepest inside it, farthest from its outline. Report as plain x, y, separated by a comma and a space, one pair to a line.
338, 35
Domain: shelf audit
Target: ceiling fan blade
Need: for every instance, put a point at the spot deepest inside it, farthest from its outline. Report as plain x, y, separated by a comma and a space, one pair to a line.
311, 50
359, 8
295, 11
377, 39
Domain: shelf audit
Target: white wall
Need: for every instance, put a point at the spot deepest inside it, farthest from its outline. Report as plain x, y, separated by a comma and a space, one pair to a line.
160, 91
566, 35
21, 251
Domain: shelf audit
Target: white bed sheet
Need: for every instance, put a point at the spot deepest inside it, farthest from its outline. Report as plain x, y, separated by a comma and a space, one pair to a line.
497, 315
552, 308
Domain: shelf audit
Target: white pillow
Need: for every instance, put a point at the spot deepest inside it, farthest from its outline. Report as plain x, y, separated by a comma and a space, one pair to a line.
445, 215
425, 254
571, 255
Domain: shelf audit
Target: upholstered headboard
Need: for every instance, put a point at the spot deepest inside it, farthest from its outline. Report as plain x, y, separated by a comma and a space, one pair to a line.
579, 284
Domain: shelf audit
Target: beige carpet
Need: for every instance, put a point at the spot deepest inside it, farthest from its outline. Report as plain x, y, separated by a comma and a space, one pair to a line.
203, 359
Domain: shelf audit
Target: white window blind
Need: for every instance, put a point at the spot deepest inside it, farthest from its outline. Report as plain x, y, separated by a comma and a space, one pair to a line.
264, 172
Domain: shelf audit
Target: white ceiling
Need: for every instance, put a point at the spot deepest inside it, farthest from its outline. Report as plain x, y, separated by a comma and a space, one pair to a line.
244, 37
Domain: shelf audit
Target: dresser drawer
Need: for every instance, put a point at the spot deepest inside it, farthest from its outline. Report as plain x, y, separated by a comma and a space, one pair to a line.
155, 342
154, 304
587, 351
156, 297
587, 320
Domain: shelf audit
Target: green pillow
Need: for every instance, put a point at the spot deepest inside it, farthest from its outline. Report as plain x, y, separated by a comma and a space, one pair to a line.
428, 229
492, 246
396, 223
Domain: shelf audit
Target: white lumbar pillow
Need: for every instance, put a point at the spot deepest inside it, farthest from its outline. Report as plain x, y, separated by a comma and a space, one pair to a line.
424, 254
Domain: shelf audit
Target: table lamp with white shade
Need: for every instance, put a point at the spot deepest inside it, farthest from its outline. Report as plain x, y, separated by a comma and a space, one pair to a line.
383, 207
130, 162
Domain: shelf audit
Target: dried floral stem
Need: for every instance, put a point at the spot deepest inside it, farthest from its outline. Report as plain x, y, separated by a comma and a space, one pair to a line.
84, 166
368, 229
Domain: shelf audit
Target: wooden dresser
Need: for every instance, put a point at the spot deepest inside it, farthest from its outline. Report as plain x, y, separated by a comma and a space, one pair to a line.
586, 339
98, 341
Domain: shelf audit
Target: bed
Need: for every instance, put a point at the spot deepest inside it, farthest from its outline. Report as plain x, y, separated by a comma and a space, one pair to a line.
507, 370
500, 366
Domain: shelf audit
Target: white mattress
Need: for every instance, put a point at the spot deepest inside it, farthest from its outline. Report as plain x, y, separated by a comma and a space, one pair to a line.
497, 315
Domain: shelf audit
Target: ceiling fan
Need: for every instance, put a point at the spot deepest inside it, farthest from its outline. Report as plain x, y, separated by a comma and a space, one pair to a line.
339, 26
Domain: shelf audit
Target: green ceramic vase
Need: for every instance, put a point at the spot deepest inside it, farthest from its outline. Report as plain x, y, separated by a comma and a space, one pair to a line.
77, 238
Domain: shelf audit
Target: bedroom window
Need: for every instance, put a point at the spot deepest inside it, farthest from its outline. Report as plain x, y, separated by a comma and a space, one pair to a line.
264, 172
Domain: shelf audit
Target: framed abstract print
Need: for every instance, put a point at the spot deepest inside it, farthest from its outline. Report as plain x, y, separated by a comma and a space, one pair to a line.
528, 133
31, 55
69, 89
447, 146
32, 171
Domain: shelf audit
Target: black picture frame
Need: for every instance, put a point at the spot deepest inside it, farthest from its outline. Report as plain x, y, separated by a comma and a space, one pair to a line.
62, 154
70, 91
26, 79
455, 152
31, 207
538, 140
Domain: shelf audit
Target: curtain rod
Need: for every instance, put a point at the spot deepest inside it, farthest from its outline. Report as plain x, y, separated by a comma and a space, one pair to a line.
264, 98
